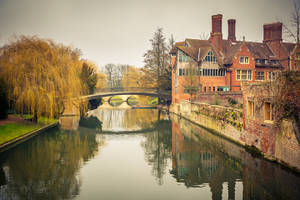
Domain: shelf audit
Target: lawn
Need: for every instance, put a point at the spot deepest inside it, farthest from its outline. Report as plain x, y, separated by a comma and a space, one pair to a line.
20, 125
14, 130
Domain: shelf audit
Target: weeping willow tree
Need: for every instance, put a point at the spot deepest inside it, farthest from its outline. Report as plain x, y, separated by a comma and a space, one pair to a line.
40, 75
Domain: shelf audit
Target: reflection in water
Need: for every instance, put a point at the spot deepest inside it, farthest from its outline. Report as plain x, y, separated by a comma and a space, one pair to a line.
170, 159
47, 166
200, 157
126, 119
157, 147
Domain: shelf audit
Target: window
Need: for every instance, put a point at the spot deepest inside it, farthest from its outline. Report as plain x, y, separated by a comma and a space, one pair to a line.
298, 56
209, 88
257, 60
211, 72
210, 57
243, 75
250, 109
271, 76
180, 56
180, 72
268, 111
274, 62
238, 74
214, 89
249, 75
259, 75
205, 89
244, 59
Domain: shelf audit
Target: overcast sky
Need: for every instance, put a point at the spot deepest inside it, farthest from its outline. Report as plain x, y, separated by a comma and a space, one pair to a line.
118, 31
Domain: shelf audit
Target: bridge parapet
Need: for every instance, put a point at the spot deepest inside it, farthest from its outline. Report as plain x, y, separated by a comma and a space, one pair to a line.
132, 89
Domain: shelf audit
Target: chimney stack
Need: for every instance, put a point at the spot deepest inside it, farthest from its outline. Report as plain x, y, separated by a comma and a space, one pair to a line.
231, 30
216, 35
273, 32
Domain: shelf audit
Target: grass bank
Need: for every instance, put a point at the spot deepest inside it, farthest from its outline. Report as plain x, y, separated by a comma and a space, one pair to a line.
16, 126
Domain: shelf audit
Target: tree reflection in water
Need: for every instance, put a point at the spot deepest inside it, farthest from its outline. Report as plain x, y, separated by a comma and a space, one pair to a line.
47, 167
158, 148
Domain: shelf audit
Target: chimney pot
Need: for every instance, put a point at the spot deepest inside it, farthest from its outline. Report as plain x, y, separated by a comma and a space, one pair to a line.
216, 34
273, 32
231, 30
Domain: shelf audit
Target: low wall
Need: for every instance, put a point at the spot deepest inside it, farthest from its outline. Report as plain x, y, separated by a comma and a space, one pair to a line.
281, 146
224, 120
220, 98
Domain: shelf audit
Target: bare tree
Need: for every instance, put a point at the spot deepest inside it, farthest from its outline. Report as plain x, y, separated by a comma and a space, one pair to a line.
115, 74
204, 36
293, 31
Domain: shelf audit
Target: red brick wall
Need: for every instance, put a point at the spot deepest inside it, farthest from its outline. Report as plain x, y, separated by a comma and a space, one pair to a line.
295, 63
244, 51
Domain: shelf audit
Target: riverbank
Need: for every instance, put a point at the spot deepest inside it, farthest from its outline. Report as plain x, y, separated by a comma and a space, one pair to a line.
281, 146
16, 129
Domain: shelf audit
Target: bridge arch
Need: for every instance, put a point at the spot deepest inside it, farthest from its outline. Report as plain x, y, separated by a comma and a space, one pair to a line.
164, 95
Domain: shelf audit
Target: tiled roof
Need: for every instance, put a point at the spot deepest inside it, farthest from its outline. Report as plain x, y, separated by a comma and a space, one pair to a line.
260, 50
289, 47
230, 50
177, 44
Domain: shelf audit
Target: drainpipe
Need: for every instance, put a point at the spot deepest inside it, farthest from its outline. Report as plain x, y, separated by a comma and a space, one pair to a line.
230, 80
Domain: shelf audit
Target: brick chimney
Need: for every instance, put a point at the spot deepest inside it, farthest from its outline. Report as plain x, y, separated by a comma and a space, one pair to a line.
216, 37
273, 32
231, 30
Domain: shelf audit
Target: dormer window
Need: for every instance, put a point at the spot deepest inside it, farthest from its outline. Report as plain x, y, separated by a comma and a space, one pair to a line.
210, 57
244, 59
265, 61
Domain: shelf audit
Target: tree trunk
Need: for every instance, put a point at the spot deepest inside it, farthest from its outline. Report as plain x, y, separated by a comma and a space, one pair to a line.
35, 117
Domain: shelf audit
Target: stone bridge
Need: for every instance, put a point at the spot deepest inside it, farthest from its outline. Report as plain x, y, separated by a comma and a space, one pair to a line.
163, 95
72, 106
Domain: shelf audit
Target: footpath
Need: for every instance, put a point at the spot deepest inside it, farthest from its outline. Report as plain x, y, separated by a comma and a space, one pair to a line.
15, 130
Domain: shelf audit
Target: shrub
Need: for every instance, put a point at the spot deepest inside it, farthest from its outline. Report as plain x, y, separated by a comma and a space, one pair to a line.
232, 102
91, 122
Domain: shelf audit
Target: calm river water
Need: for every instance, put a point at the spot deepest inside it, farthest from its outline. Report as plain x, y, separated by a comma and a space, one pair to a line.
139, 154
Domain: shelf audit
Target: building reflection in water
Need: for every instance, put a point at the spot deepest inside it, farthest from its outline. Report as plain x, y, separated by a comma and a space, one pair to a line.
196, 162
200, 158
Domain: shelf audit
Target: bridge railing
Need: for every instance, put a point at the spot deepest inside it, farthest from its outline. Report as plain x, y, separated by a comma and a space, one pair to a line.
132, 89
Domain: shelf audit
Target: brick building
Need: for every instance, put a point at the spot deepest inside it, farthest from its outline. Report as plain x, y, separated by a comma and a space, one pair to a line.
221, 65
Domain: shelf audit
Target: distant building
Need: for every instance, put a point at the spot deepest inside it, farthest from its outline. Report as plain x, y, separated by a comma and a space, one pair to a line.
221, 65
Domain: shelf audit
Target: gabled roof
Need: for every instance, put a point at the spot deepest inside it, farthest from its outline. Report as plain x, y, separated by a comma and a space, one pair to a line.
177, 44
230, 51
289, 47
194, 45
260, 50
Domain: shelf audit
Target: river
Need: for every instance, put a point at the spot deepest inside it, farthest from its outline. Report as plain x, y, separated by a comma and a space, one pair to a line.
139, 154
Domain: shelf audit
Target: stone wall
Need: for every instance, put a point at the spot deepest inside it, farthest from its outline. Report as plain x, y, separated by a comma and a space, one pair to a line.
224, 120
279, 145
220, 98
276, 140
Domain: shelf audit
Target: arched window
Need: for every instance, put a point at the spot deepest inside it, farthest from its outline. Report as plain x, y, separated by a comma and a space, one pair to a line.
210, 57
